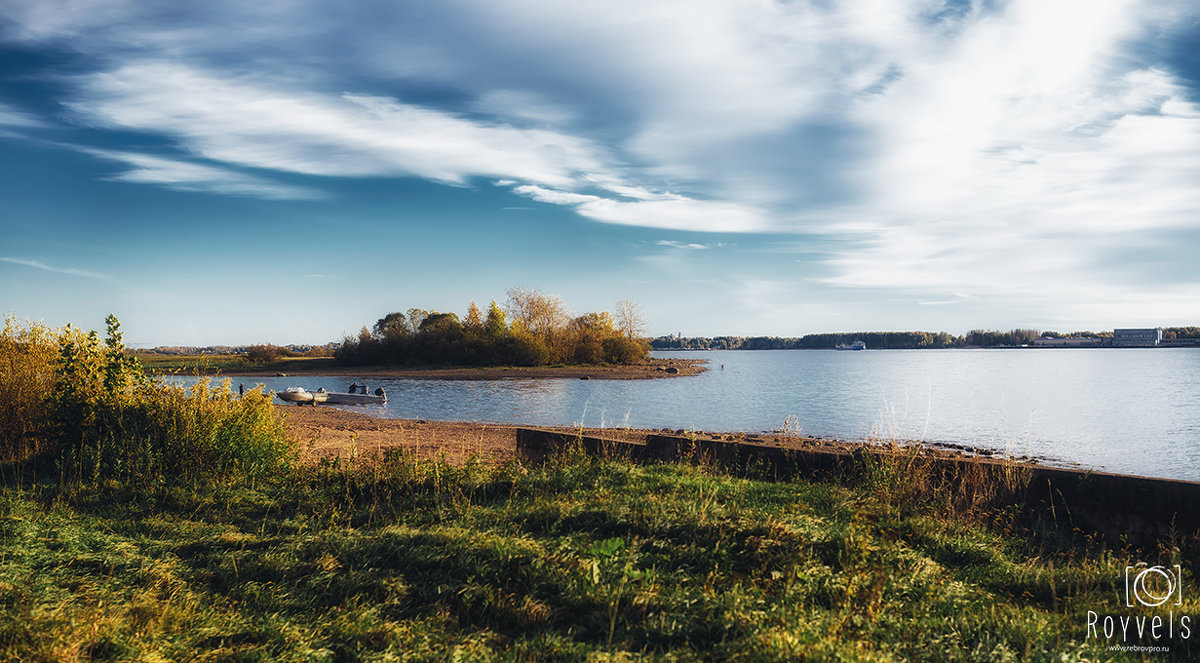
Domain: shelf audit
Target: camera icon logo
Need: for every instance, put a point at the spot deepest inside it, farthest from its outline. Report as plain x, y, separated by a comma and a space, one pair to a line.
1153, 586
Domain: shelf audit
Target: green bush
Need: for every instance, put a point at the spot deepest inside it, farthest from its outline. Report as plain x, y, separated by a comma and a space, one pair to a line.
621, 350
524, 350
588, 351
92, 409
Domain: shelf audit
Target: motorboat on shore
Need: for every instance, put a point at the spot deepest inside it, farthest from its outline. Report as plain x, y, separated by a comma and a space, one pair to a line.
335, 398
358, 396
300, 396
857, 345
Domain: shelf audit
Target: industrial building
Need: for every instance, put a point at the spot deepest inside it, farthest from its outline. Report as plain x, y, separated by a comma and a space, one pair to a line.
1137, 338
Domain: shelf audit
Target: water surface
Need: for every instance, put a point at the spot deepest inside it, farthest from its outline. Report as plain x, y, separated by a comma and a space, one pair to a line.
1123, 410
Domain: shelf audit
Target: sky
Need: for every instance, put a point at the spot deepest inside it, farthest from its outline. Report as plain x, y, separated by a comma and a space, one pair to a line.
288, 171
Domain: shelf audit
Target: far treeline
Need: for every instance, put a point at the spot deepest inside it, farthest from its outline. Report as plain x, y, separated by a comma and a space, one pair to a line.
888, 340
531, 329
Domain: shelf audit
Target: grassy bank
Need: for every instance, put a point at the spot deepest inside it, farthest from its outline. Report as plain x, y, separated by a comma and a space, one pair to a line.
140, 521
582, 559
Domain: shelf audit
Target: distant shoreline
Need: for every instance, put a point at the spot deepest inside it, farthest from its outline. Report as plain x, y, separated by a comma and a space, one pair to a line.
654, 369
1167, 346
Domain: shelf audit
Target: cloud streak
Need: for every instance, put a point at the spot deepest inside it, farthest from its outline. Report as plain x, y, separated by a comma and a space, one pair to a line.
69, 271
694, 246
13, 117
186, 176
259, 124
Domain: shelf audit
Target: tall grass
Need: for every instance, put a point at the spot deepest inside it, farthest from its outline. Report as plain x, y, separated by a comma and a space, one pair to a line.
582, 558
27, 378
915, 478
86, 409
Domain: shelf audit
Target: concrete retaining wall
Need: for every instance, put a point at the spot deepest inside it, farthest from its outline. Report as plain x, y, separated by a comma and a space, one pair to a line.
1115, 505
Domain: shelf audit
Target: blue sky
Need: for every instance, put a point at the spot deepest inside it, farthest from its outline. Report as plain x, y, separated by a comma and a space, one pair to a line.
232, 172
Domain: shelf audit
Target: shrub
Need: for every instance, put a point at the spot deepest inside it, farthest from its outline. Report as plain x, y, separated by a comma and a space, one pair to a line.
621, 350
524, 350
27, 381
588, 351
91, 406
261, 354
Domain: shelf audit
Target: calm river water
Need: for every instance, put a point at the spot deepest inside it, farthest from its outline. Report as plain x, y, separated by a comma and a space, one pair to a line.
1127, 410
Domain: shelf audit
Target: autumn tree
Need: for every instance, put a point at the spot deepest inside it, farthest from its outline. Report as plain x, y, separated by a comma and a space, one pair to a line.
630, 319
474, 321
540, 314
621, 350
586, 335
415, 317
496, 324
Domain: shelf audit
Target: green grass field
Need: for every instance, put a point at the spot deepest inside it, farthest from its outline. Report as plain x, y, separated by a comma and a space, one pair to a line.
582, 559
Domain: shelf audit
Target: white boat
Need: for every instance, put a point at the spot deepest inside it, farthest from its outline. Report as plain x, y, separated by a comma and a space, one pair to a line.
857, 345
355, 398
300, 395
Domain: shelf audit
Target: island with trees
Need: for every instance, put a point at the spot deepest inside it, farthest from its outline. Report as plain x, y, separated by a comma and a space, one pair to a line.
533, 334
532, 329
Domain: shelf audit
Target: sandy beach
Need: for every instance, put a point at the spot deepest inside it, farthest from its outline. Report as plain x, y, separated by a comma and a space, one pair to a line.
329, 432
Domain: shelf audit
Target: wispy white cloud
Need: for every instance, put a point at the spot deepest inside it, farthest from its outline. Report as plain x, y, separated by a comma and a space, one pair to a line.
11, 116
252, 125
16, 123
187, 176
522, 106
680, 245
544, 195
958, 298
264, 125
667, 210
69, 271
